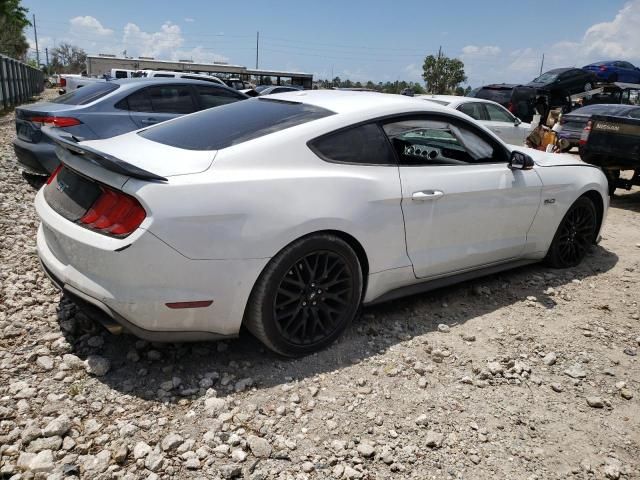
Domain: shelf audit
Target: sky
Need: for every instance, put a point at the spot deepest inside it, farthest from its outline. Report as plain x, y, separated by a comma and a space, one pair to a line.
499, 41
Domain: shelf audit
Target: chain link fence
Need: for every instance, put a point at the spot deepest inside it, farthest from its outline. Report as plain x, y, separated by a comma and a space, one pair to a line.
18, 82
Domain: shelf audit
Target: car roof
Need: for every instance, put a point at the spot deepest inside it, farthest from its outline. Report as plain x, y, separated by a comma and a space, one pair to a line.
456, 99
612, 108
132, 82
346, 102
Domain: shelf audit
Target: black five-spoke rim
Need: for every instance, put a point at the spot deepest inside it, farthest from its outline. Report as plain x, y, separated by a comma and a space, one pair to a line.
576, 235
312, 298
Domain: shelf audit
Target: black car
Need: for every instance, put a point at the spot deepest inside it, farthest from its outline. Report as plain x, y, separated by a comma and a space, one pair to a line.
573, 124
518, 99
612, 142
561, 83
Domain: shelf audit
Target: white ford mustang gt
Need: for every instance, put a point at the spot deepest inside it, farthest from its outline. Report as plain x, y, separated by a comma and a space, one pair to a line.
286, 213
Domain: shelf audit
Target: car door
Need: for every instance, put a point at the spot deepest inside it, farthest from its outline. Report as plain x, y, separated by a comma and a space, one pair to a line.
159, 103
501, 122
463, 206
498, 125
627, 73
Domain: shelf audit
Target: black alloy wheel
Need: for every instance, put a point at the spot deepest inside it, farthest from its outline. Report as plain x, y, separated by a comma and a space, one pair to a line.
312, 297
575, 235
306, 296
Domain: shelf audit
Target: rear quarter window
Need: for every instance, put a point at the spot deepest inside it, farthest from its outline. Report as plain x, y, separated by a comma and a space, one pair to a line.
88, 94
231, 124
364, 144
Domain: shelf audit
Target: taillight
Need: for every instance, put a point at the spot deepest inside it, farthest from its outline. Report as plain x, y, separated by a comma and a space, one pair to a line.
63, 82
59, 122
584, 136
603, 68
114, 213
53, 174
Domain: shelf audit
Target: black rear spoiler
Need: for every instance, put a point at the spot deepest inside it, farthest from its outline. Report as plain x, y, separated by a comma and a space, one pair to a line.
70, 143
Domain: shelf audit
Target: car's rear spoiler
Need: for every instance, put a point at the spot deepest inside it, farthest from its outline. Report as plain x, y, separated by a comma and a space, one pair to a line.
72, 144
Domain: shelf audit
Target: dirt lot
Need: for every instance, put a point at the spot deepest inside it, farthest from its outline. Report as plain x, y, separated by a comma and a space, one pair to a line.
531, 374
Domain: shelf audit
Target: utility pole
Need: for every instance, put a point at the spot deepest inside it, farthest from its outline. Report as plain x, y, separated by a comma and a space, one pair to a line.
541, 64
35, 33
257, 48
46, 52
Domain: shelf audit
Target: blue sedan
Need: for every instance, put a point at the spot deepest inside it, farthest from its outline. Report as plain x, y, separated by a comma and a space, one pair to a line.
615, 71
110, 108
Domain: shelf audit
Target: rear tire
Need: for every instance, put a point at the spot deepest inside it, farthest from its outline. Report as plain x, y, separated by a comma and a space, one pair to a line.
306, 297
574, 236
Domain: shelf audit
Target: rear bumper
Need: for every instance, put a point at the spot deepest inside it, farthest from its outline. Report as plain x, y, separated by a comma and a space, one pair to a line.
38, 158
127, 282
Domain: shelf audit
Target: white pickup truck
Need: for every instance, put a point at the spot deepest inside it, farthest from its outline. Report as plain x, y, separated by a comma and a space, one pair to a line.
71, 82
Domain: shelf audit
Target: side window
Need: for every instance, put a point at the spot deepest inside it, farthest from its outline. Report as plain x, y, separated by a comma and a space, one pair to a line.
164, 75
171, 99
121, 74
473, 109
364, 144
214, 97
635, 113
440, 142
136, 102
498, 114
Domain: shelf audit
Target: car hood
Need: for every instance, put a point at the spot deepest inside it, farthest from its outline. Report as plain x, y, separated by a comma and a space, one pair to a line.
544, 159
154, 157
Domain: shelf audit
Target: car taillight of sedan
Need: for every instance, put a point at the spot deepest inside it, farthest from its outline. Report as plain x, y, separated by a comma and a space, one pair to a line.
53, 121
585, 133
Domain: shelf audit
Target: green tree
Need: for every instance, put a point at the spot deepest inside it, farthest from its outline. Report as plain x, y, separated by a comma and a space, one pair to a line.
442, 74
67, 58
13, 21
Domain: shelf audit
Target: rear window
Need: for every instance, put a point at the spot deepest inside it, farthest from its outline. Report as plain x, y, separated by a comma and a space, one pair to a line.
502, 95
87, 94
232, 124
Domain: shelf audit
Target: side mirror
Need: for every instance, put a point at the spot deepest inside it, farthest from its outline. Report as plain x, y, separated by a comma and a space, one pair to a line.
517, 121
520, 161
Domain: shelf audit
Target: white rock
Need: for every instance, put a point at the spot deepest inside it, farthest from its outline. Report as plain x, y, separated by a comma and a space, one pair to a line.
259, 446
97, 365
59, 426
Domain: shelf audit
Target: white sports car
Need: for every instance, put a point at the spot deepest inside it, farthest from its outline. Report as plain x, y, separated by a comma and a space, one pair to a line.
490, 114
286, 213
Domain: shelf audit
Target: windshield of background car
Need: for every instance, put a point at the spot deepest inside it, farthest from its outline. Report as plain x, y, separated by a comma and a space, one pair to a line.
501, 95
87, 94
231, 124
546, 78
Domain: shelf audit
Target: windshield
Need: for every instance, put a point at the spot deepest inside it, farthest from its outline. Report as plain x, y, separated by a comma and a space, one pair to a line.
546, 78
87, 94
231, 124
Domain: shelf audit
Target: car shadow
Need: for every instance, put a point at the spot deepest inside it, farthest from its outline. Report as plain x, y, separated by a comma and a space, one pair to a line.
144, 370
35, 181
627, 200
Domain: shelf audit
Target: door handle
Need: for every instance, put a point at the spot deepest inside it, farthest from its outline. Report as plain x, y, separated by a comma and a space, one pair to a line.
424, 195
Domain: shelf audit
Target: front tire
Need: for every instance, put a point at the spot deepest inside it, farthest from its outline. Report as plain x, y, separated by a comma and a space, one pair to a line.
574, 236
306, 297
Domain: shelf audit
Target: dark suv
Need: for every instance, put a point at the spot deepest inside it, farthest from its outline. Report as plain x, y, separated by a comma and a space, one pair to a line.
518, 99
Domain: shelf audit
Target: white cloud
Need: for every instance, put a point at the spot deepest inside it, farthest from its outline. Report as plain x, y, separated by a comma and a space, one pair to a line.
88, 25
189, 20
619, 38
480, 51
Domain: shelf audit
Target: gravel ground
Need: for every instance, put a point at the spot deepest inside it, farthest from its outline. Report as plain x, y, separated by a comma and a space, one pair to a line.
530, 374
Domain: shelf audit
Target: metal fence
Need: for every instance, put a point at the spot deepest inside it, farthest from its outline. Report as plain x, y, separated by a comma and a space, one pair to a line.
18, 82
